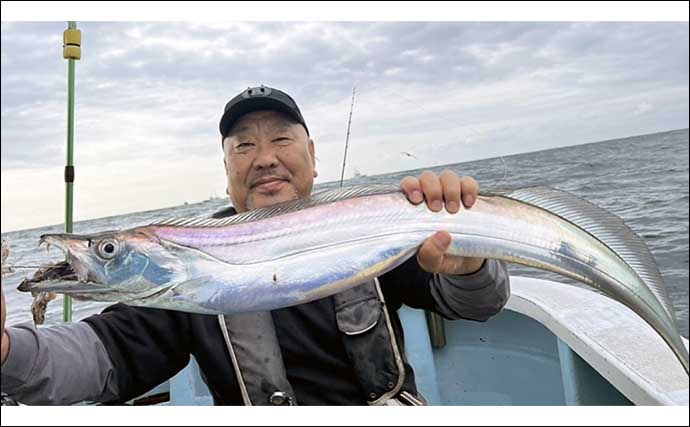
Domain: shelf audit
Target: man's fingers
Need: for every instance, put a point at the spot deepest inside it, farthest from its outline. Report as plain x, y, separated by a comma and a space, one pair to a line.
470, 191
452, 190
431, 253
433, 191
447, 190
412, 189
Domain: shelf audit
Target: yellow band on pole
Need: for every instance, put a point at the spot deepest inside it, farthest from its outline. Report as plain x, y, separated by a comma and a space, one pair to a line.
71, 48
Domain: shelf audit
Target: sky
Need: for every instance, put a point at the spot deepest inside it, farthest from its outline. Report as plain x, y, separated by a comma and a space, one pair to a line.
149, 96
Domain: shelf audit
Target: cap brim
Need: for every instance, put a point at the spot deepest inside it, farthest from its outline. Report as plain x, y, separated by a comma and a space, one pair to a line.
250, 105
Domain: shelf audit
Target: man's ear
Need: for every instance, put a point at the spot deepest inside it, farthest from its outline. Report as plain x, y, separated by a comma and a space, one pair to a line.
225, 165
312, 152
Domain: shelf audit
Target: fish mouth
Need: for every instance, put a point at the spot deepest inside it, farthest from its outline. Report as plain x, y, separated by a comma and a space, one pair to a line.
67, 277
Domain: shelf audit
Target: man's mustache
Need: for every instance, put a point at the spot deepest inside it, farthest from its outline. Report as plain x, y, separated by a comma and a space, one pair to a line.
259, 176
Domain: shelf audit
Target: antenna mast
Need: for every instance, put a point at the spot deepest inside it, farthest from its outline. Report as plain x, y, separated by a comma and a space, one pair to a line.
347, 138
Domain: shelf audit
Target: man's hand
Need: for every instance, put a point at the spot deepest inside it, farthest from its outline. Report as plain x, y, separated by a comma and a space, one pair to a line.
447, 190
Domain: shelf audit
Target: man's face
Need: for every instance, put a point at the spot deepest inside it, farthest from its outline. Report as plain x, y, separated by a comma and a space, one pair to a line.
268, 160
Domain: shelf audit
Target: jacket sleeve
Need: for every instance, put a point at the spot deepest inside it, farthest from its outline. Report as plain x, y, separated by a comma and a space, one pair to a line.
147, 346
477, 296
112, 357
58, 365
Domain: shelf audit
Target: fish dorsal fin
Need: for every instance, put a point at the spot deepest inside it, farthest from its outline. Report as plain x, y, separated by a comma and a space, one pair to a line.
605, 227
322, 198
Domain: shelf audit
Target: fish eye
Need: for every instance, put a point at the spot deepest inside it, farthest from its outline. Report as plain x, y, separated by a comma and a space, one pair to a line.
108, 248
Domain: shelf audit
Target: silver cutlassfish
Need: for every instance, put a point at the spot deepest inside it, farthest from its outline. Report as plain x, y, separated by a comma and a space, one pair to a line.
309, 249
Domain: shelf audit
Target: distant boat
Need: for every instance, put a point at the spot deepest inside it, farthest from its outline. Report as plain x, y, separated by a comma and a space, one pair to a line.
358, 174
213, 198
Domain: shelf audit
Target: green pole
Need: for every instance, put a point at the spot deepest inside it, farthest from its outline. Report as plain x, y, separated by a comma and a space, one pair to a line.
71, 57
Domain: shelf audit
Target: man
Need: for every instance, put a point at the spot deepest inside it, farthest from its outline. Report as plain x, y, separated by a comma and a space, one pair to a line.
343, 350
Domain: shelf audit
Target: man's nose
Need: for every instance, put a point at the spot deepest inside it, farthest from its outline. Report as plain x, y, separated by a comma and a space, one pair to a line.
266, 157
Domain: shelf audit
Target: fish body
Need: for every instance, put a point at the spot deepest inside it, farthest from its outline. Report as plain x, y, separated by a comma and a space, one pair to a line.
310, 249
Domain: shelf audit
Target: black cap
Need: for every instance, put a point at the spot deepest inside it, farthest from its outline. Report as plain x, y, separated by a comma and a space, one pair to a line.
255, 99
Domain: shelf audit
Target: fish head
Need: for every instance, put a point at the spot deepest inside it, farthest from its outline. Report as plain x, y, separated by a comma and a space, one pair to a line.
109, 266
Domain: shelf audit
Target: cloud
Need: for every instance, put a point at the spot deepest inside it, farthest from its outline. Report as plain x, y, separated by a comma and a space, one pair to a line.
152, 92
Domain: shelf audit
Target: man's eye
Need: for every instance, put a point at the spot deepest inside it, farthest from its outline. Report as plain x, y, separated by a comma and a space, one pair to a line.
282, 140
243, 146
